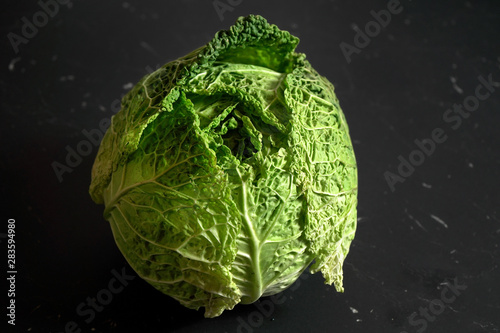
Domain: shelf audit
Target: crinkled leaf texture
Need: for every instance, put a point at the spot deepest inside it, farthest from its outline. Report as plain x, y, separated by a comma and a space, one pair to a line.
229, 171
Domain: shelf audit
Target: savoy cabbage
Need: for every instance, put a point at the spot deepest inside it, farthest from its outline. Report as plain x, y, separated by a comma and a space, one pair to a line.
229, 171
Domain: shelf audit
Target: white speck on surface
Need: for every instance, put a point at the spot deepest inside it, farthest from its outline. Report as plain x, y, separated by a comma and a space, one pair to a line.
84, 104
471, 165
359, 320
438, 220
127, 86
353, 310
417, 222
453, 251
12, 63
426, 185
455, 85
102, 108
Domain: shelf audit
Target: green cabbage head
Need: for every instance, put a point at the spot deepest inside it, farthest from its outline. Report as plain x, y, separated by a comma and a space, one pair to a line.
229, 171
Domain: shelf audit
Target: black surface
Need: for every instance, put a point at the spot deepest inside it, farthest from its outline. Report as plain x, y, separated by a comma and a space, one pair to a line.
68, 77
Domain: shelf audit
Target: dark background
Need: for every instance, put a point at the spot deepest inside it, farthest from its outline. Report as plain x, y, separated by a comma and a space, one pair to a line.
68, 78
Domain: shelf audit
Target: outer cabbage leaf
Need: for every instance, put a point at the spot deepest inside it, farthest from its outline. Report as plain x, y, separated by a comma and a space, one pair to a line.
229, 171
